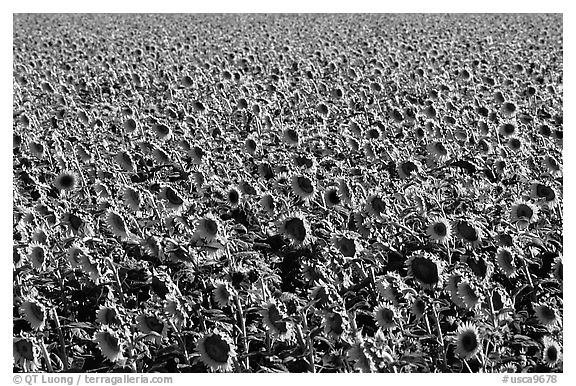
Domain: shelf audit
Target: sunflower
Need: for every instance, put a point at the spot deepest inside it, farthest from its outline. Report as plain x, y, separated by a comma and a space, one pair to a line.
523, 213
36, 149
468, 232
418, 307
385, 316
375, 205
116, 224
296, 228
130, 125
160, 156
197, 154
34, 313
268, 203
89, 267
558, 268
440, 230
110, 345
438, 151
208, 227
426, 270
37, 255
291, 136
552, 352
332, 197
66, 180
124, 160
151, 326
552, 165
233, 197
346, 245
509, 367
303, 187
547, 315
265, 171
162, 131
101, 190
544, 194
506, 261
468, 342
274, 321
24, 353
362, 359
508, 109
514, 143
355, 129
470, 294
174, 201
153, 247
132, 198
250, 146
353, 143
216, 351
107, 316
507, 129
73, 254
334, 324
222, 293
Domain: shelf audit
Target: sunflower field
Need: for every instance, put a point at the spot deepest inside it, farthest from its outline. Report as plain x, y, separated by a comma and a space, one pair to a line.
287, 193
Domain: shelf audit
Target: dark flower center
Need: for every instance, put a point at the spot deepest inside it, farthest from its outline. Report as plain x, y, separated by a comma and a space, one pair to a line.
306, 185
524, 210
217, 348
425, 270
296, 229
469, 341
440, 229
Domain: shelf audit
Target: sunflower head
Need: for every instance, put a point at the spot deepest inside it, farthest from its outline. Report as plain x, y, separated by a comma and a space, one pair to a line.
296, 229
346, 244
274, 319
208, 228
385, 316
107, 316
552, 352
116, 224
468, 342
439, 230
335, 324
468, 232
376, 205
303, 187
110, 345
543, 193
34, 313
470, 294
523, 213
222, 293
24, 352
216, 351
547, 315
426, 270
505, 259
66, 180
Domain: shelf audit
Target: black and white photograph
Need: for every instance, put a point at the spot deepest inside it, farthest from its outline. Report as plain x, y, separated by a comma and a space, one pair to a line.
288, 193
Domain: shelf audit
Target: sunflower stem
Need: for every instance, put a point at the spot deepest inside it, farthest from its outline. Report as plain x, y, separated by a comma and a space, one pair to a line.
46, 356
242, 325
440, 336
467, 366
310, 342
63, 353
